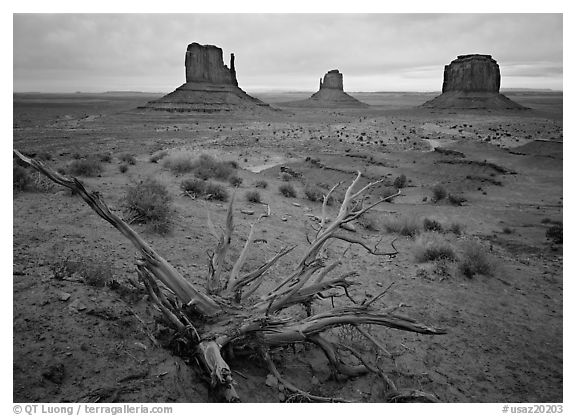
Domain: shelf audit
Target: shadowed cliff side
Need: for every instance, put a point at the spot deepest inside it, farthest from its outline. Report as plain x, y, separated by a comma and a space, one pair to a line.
472, 82
210, 85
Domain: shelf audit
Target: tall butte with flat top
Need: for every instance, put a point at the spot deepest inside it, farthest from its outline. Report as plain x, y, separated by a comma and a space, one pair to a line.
472, 82
210, 85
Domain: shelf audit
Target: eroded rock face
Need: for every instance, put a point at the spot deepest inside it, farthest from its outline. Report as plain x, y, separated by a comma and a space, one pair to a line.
204, 63
472, 73
472, 82
332, 80
210, 85
330, 95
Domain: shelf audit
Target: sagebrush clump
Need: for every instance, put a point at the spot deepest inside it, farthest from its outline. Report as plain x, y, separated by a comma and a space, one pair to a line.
438, 193
287, 190
405, 225
235, 181
215, 191
127, 158
206, 167
253, 196
149, 203
555, 233
432, 225
475, 260
21, 178
261, 184
85, 167
432, 246
400, 181
93, 271
179, 164
157, 156
194, 187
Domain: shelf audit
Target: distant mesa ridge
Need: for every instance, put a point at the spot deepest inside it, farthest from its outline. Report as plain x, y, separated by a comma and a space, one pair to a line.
472, 82
330, 94
210, 85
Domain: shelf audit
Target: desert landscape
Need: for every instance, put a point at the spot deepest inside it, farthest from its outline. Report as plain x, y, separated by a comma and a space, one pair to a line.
74, 342
213, 244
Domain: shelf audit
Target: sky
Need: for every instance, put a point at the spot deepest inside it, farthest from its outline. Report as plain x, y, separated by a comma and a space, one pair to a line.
281, 52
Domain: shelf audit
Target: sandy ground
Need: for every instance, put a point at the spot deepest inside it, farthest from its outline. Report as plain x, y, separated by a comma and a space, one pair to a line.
75, 342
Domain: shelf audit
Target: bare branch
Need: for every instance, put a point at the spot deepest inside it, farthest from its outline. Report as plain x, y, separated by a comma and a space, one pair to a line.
209, 353
373, 340
213, 283
255, 274
326, 198
292, 387
370, 250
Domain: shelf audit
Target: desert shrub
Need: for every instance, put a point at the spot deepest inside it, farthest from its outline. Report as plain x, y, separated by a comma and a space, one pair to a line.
455, 228
400, 181
215, 191
205, 167
438, 193
195, 187
105, 157
123, 168
555, 233
235, 181
388, 191
287, 190
94, 271
253, 196
314, 193
404, 225
456, 199
85, 167
127, 158
286, 177
475, 260
369, 221
432, 246
442, 267
155, 157
432, 225
212, 168
21, 178
148, 202
179, 164
40, 183
261, 184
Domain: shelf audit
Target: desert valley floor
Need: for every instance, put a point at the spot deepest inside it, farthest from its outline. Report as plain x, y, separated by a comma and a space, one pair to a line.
76, 342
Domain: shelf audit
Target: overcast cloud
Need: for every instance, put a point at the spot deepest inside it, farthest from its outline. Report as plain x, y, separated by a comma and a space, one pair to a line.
375, 52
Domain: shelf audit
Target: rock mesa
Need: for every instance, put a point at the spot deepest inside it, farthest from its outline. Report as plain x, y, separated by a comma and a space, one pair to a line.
472, 82
330, 94
210, 85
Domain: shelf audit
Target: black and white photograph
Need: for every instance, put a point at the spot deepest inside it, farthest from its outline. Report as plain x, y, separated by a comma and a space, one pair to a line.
287, 208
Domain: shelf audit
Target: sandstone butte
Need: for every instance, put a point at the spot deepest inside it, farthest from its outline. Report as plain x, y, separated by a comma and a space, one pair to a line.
210, 85
330, 94
472, 82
